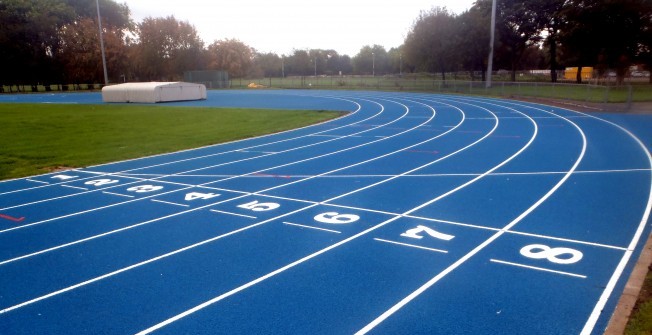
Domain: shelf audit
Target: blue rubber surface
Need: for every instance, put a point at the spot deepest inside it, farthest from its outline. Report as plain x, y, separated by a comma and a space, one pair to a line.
413, 214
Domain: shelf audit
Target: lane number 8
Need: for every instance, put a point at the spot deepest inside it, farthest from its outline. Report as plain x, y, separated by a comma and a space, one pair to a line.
541, 251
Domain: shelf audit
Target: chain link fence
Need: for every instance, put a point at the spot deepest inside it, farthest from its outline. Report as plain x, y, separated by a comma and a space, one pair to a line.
605, 97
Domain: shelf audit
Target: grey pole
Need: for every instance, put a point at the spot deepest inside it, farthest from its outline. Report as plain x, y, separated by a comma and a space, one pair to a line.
491, 44
373, 64
99, 22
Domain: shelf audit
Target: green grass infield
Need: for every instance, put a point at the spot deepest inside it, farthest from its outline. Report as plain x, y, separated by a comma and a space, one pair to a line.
39, 138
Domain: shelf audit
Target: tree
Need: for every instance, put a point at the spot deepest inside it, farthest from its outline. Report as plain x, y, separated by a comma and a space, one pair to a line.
231, 55
517, 28
269, 64
29, 39
166, 48
472, 40
429, 43
645, 47
79, 46
371, 60
605, 33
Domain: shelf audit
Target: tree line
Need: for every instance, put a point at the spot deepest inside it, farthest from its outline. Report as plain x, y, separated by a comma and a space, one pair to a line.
57, 41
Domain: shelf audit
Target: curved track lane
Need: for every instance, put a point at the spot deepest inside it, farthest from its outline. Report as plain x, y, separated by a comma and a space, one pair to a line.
415, 213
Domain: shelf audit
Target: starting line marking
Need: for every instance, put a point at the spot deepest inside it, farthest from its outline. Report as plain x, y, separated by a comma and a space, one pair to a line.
411, 245
236, 214
118, 194
75, 187
538, 268
170, 203
311, 227
38, 181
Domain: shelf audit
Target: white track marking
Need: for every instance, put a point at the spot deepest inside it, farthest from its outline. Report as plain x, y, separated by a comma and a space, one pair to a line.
483, 245
538, 268
69, 288
620, 268
120, 195
169, 203
312, 227
428, 175
67, 186
247, 285
234, 214
241, 160
411, 245
147, 261
260, 279
210, 146
203, 168
38, 181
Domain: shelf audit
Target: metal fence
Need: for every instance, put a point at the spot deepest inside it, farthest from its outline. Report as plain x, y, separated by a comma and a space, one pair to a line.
600, 97
49, 88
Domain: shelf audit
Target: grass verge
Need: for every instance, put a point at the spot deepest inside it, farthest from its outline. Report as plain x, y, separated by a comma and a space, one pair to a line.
37, 138
640, 321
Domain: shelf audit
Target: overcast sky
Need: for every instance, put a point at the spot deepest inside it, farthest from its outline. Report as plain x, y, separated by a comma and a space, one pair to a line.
280, 26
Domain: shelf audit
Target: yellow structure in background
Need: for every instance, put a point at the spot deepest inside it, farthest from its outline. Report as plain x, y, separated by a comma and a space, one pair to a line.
571, 73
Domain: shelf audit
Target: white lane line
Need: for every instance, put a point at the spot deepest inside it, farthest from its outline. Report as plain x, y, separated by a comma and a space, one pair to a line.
538, 268
234, 232
234, 214
258, 152
620, 268
232, 162
487, 242
260, 279
90, 281
38, 181
169, 203
359, 107
118, 194
568, 240
597, 310
162, 256
312, 227
75, 187
256, 281
203, 168
411, 245
419, 175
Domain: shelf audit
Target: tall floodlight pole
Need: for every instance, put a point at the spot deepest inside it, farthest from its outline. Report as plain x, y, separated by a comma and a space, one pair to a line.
282, 66
315, 67
491, 43
99, 22
373, 64
400, 65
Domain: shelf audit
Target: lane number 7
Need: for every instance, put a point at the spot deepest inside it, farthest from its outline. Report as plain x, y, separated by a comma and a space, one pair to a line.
414, 233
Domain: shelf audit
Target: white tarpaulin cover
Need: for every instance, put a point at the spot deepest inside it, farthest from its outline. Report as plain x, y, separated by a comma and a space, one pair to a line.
153, 92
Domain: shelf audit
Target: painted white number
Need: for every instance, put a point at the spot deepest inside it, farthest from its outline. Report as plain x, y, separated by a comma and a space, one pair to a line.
144, 188
64, 177
541, 251
337, 218
260, 207
204, 196
414, 233
100, 182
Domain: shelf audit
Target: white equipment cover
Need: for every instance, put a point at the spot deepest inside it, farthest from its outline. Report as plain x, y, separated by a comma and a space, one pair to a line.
153, 92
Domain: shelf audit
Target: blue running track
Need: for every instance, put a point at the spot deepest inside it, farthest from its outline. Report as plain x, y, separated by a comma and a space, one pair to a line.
413, 214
